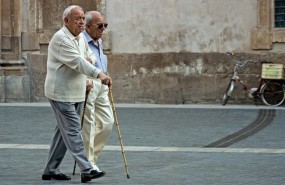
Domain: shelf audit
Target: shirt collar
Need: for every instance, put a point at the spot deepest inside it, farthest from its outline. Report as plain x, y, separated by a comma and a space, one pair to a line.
87, 36
89, 39
69, 34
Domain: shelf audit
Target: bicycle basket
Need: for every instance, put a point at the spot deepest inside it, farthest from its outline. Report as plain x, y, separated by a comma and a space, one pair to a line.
272, 71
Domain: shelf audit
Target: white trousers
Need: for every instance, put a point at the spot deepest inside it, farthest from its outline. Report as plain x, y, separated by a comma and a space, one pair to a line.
98, 120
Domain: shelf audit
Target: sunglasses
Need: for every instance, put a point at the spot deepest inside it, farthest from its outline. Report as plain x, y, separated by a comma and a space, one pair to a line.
100, 26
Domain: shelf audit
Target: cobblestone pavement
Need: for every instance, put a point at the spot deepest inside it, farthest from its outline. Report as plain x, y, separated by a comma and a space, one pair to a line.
164, 145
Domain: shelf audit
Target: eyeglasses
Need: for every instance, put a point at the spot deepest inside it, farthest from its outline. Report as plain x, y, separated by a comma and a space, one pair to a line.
100, 26
78, 19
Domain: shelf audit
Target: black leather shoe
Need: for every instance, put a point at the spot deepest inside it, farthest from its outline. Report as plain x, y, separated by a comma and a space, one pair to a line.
93, 174
59, 176
98, 174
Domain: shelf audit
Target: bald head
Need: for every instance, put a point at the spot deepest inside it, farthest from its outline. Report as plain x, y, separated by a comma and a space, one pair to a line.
67, 12
73, 18
92, 16
95, 24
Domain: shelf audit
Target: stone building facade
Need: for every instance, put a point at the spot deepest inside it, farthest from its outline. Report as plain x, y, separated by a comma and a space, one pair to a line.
160, 51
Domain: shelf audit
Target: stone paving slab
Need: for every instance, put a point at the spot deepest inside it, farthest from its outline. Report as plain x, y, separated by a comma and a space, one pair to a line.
251, 161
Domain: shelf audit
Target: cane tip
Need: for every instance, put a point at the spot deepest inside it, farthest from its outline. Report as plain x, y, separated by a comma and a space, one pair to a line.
128, 176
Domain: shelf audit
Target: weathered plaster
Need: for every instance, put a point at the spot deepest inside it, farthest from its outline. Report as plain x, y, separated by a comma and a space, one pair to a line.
181, 26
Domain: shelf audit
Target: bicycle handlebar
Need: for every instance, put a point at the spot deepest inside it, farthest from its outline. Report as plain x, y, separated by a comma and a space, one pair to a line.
244, 62
241, 64
250, 61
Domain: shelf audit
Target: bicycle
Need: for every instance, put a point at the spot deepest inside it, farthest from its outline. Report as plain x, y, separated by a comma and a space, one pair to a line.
270, 91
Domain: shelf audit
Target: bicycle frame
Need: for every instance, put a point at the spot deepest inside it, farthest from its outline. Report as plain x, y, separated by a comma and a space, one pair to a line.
239, 66
253, 92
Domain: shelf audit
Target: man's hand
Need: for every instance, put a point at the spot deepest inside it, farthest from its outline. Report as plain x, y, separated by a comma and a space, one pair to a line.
105, 79
89, 60
89, 85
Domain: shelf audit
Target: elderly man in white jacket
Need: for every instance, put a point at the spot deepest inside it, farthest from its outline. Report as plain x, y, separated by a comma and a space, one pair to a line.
65, 87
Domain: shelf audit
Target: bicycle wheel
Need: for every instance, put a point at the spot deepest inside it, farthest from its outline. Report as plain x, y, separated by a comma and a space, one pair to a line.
228, 92
272, 94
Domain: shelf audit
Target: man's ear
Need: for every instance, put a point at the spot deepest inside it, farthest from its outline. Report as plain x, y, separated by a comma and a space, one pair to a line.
65, 20
87, 25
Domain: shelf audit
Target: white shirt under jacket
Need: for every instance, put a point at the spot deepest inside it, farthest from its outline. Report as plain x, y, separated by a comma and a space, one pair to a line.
67, 67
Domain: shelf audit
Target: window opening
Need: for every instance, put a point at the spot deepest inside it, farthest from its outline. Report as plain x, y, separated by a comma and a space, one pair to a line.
279, 9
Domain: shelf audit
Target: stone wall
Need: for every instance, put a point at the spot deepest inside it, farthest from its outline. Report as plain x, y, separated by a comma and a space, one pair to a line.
181, 78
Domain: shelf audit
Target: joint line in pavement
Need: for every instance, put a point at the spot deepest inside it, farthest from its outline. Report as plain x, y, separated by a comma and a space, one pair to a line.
159, 149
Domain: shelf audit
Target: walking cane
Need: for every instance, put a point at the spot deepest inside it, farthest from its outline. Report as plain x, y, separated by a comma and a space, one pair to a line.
119, 133
82, 119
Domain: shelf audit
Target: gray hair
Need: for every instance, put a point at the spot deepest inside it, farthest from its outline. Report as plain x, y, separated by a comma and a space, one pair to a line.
88, 17
67, 11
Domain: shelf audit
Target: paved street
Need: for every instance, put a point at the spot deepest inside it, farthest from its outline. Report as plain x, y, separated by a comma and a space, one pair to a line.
164, 145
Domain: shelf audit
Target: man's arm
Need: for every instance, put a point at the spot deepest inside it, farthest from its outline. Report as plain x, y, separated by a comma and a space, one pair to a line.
70, 56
